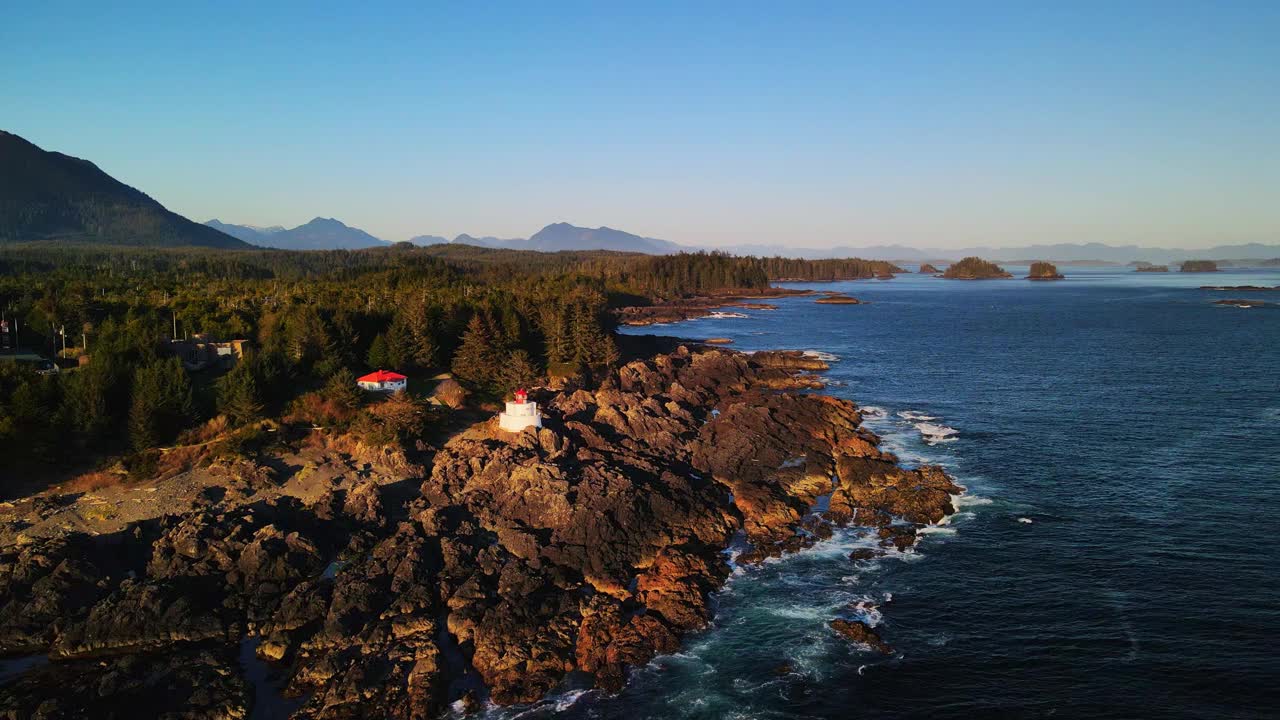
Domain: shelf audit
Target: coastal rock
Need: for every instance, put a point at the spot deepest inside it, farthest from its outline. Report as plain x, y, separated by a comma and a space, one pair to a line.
860, 632
196, 683
839, 299
142, 615
589, 546
1044, 271
788, 360
928, 268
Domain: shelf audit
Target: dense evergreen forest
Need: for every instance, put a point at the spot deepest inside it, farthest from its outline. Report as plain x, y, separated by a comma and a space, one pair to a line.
974, 268
314, 322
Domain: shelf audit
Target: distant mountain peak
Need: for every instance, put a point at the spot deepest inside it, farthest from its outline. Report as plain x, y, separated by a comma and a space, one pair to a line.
320, 233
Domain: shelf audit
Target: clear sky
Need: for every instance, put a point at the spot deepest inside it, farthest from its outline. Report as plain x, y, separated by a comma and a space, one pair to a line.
811, 124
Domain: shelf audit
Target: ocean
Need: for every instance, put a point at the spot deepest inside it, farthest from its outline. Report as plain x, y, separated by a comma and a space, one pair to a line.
1114, 555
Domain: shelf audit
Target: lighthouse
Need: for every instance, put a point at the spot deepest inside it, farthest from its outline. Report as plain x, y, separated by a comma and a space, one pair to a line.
520, 414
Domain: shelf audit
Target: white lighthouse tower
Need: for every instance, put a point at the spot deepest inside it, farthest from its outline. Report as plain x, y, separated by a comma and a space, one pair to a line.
520, 414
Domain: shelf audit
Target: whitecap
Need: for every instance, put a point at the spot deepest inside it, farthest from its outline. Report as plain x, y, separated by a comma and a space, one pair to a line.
822, 355
968, 499
936, 433
915, 415
1024, 521
726, 315
936, 530
872, 412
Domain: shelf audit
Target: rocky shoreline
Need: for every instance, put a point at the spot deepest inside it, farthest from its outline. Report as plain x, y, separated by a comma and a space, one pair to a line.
699, 307
587, 547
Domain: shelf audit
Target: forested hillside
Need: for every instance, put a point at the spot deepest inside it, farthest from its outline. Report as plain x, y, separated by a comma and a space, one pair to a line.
314, 321
48, 195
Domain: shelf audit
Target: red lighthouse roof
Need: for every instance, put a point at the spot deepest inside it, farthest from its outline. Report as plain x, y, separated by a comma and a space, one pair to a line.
381, 376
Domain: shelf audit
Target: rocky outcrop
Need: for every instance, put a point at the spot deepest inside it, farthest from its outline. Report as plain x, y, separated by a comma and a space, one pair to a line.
928, 268
860, 632
838, 299
195, 683
1044, 271
698, 307
974, 268
589, 546
1199, 266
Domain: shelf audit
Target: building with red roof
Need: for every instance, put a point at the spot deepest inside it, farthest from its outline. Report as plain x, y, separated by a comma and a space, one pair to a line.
383, 381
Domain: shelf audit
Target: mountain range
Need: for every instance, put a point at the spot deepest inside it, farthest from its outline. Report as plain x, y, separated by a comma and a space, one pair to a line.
322, 234
47, 195
330, 234
319, 234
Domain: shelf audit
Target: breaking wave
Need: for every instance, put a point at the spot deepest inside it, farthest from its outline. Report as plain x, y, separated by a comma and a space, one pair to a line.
933, 433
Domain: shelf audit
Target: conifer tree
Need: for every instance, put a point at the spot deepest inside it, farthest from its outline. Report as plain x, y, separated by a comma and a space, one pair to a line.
477, 358
378, 356
518, 371
238, 396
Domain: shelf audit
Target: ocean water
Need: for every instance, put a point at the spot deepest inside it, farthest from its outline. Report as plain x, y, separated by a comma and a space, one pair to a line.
1116, 555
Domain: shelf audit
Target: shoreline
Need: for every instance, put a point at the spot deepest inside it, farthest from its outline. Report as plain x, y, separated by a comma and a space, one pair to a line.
505, 548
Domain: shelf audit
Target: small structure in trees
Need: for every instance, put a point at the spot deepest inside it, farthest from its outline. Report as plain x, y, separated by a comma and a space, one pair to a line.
383, 381
520, 414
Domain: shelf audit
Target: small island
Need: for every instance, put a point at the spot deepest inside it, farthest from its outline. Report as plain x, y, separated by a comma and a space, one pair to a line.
928, 268
1141, 266
1044, 271
1240, 303
838, 299
974, 268
1199, 266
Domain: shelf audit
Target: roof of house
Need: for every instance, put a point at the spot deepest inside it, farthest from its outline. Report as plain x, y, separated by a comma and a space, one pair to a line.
381, 376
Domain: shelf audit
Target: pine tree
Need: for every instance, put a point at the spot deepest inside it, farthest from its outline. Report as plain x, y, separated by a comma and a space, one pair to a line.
477, 359
162, 403
518, 371
341, 390
238, 396
378, 357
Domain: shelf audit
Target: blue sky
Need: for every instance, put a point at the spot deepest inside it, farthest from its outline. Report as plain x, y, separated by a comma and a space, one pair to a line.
808, 124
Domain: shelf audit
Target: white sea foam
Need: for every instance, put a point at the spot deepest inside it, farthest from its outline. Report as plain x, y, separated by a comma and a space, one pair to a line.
914, 415
1024, 521
968, 499
937, 530
933, 433
868, 611
871, 412
726, 315
822, 355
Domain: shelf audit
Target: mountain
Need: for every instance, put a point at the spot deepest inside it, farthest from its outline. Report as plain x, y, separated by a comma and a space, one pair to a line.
319, 234
428, 240
251, 234
563, 236
490, 241
50, 196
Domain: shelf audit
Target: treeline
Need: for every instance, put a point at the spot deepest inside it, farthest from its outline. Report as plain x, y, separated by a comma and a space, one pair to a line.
315, 321
780, 269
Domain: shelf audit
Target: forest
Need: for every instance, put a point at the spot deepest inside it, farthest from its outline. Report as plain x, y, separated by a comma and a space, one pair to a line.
314, 321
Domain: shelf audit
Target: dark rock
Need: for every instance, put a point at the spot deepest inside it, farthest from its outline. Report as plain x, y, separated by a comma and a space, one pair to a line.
859, 632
